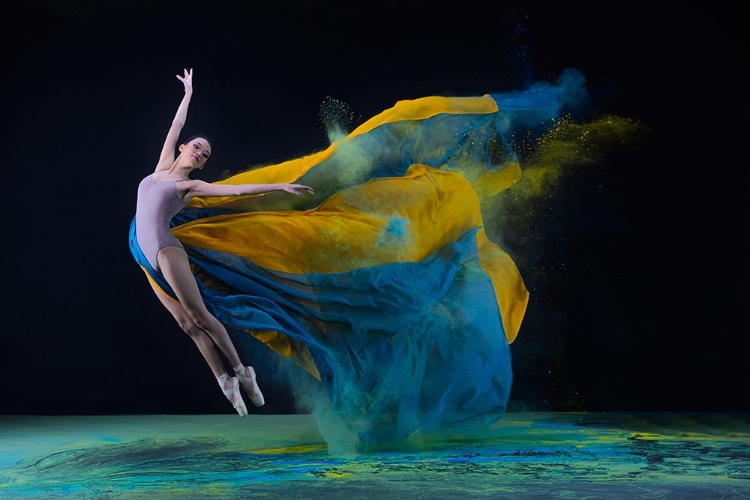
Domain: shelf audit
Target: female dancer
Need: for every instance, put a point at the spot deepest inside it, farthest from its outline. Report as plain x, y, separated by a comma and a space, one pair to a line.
161, 195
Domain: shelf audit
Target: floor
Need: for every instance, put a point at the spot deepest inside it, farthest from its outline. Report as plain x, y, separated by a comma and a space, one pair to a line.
524, 455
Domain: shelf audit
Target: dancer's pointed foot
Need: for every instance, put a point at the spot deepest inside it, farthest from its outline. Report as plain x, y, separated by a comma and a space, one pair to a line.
247, 379
231, 389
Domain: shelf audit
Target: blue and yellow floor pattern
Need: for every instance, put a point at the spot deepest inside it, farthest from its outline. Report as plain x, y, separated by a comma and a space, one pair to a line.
525, 455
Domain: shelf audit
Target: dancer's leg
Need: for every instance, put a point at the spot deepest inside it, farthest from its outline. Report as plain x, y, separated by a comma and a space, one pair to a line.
176, 268
204, 343
229, 385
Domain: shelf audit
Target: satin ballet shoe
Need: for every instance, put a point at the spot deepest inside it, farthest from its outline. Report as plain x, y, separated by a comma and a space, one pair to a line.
247, 379
235, 397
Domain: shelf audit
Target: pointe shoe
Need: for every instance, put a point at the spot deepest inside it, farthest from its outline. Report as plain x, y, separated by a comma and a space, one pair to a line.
235, 397
247, 379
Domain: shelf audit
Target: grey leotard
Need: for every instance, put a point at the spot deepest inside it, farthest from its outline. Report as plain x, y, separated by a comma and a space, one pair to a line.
157, 204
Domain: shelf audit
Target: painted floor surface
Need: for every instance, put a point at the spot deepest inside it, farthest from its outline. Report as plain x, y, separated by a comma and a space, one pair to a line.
524, 455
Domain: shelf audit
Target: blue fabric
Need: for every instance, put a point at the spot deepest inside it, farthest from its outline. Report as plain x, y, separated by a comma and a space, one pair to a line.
391, 356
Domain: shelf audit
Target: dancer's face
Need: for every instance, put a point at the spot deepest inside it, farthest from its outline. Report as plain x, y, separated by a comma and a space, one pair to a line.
196, 152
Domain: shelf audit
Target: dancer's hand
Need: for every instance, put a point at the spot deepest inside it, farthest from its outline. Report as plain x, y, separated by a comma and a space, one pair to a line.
297, 189
187, 80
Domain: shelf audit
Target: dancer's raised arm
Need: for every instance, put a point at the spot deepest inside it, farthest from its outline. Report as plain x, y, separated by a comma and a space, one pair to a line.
166, 158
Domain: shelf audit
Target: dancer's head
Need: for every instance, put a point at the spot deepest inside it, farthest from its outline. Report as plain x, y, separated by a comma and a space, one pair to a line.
196, 150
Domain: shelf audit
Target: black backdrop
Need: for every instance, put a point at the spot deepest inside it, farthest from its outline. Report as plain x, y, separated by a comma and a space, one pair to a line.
636, 265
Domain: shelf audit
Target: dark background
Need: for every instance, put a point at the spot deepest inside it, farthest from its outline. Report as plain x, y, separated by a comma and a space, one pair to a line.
636, 265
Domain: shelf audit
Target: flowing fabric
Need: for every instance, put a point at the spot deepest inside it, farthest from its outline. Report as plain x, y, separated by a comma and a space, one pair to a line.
384, 285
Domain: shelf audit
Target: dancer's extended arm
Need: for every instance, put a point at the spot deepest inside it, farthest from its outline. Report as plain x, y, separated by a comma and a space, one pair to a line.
166, 159
194, 187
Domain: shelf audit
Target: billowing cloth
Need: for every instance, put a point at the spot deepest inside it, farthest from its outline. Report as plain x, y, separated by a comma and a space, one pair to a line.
384, 285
